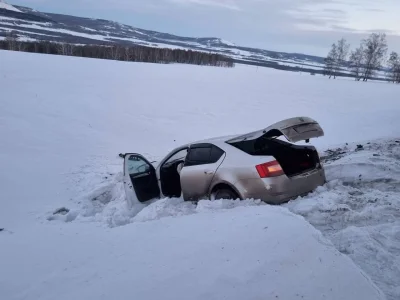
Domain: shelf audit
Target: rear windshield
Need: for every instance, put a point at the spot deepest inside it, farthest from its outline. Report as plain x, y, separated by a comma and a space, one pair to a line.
260, 146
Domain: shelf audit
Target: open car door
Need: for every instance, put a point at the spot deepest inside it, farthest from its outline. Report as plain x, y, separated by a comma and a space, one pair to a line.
140, 179
294, 129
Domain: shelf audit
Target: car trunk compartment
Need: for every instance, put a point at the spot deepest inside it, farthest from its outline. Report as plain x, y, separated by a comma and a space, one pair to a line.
294, 159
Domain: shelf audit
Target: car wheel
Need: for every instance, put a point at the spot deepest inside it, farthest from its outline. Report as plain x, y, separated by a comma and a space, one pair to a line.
224, 193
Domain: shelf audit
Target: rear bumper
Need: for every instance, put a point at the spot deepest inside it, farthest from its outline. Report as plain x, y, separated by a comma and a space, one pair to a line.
281, 189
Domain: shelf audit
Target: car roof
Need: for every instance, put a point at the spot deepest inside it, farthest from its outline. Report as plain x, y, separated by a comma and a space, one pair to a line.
214, 140
217, 141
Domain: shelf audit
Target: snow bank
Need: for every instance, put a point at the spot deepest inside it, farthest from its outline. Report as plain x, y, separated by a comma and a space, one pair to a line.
359, 210
244, 253
107, 205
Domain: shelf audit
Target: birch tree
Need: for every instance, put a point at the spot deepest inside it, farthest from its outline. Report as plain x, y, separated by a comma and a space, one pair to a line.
394, 68
356, 61
342, 50
374, 51
331, 61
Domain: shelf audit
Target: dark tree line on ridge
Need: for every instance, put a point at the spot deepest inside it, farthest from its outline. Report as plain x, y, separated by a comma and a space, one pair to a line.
364, 61
118, 52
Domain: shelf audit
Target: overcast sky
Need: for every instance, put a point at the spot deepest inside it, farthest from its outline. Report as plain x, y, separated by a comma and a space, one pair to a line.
305, 26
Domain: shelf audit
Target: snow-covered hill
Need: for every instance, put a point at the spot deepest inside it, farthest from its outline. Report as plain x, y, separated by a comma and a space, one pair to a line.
32, 25
63, 121
6, 6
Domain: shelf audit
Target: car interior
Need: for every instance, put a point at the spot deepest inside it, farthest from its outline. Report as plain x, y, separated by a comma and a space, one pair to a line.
169, 174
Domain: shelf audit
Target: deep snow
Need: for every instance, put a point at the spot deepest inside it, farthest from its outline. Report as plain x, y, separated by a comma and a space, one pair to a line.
64, 120
244, 253
359, 209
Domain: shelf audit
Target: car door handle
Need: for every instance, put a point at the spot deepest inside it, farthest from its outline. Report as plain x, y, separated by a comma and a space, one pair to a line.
208, 172
141, 175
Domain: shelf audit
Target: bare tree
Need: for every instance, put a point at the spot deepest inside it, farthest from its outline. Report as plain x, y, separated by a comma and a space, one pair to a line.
127, 54
21, 46
331, 61
397, 74
394, 68
375, 48
71, 48
356, 62
12, 40
62, 49
342, 49
115, 52
36, 47
65, 49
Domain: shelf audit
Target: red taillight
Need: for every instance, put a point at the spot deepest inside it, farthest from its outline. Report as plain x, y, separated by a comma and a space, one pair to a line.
270, 169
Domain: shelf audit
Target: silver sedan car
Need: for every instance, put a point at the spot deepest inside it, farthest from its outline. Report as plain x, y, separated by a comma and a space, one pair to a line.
256, 165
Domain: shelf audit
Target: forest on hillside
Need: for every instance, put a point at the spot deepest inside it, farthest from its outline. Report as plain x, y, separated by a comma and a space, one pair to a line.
118, 52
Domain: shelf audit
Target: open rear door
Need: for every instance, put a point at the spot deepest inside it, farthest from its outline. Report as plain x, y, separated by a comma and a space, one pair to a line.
140, 179
294, 129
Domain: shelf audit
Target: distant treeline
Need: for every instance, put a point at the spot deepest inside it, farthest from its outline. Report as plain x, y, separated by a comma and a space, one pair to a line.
117, 52
365, 61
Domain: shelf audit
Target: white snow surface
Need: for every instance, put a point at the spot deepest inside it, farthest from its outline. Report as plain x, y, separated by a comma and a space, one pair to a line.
359, 209
63, 121
21, 32
227, 42
247, 253
85, 35
7, 6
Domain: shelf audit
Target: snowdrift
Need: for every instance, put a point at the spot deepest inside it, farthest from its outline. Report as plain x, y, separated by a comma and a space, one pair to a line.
244, 253
358, 210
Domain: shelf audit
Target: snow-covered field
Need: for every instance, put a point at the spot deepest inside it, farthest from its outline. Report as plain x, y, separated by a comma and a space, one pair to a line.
63, 122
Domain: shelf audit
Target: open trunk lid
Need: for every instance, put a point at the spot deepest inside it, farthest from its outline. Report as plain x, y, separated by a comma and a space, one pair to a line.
294, 129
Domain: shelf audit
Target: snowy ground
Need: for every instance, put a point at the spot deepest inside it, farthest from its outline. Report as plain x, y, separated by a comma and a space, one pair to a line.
247, 253
64, 120
359, 209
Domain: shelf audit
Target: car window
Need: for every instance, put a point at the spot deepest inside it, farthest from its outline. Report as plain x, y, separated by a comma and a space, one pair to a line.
200, 155
216, 154
136, 165
180, 155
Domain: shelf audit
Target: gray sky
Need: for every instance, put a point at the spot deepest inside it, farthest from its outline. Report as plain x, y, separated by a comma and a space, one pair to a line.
305, 26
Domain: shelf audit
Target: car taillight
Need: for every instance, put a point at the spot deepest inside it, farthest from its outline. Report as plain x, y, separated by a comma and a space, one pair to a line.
269, 169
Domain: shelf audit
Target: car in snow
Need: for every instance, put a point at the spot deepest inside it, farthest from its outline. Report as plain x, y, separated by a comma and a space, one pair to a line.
257, 165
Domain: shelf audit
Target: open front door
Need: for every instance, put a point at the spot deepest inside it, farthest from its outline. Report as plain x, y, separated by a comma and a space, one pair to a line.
140, 179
